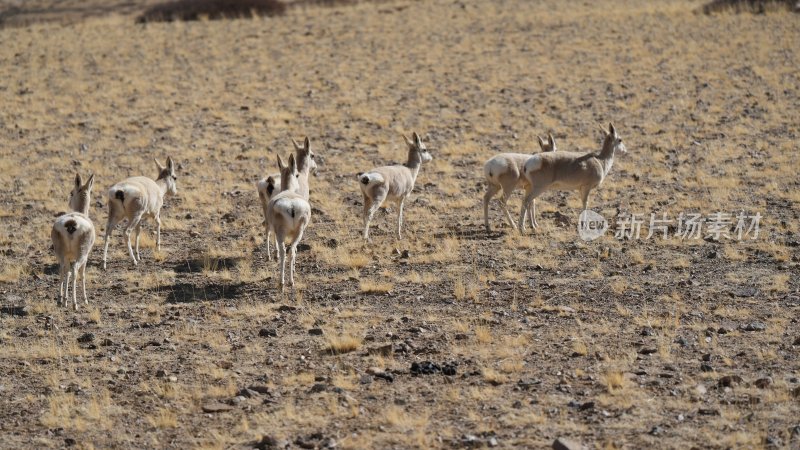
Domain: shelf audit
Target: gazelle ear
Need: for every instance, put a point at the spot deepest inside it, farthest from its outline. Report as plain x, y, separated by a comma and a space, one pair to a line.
297, 146
542, 144
552, 142
78, 181
292, 164
417, 140
307, 144
89, 183
603, 131
611, 129
170, 164
158, 164
281, 165
408, 141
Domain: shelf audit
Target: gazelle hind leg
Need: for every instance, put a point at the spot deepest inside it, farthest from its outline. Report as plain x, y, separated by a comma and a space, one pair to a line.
491, 191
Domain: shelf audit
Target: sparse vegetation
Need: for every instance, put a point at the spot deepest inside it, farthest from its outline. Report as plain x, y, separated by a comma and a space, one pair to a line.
608, 342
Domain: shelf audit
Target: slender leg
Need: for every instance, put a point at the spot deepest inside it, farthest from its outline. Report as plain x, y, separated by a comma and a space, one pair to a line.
282, 257
75, 286
532, 214
133, 224
293, 246
158, 232
66, 288
63, 267
373, 207
504, 204
367, 218
109, 228
138, 235
400, 220
491, 191
83, 281
530, 196
585, 197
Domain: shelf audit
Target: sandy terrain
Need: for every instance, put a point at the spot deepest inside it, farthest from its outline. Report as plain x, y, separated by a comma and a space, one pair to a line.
613, 343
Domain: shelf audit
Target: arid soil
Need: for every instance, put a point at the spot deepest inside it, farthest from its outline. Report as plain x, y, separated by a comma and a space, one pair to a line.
451, 337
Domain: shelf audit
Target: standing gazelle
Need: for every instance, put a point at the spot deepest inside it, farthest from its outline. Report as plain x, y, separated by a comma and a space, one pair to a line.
136, 198
271, 185
504, 171
570, 170
73, 237
392, 183
288, 215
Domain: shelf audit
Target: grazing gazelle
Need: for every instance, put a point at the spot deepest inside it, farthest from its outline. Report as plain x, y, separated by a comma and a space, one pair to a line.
570, 170
504, 171
73, 238
288, 215
271, 185
392, 183
135, 199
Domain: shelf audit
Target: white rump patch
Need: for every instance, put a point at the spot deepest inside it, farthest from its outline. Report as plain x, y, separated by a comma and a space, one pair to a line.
533, 164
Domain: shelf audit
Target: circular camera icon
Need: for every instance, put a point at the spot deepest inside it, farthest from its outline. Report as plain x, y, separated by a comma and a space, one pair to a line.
591, 225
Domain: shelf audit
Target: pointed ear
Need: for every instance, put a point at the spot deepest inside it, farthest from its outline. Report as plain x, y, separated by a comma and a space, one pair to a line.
78, 180
281, 165
292, 163
603, 130
89, 183
297, 146
158, 164
552, 141
417, 140
541, 143
307, 144
408, 141
611, 129
170, 165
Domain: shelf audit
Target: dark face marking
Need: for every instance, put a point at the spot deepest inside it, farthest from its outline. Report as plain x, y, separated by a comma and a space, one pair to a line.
270, 188
365, 180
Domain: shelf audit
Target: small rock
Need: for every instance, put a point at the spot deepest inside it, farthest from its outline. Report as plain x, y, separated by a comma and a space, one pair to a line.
656, 431
424, 368
216, 407
261, 389
729, 380
796, 391
754, 326
648, 351
286, 308
316, 332
267, 443
267, 332
708, 412
247, 393
365, 379
161, 373
86, 337
796, 341
706, 368
723, 330
318, 387
763, 383
706, 357
587, 406
647, 331
492, 442
566, 444
69, 442
106, 342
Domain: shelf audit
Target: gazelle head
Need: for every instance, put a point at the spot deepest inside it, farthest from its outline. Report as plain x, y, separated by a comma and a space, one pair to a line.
168, 175
305, 157
81, 194
289, 174
415, 146
549, 145
612, 140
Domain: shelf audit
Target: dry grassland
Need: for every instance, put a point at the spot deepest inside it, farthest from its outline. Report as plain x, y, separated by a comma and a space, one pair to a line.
616, 344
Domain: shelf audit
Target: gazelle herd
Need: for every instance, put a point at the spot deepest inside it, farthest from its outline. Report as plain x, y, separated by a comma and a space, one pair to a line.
285, 201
